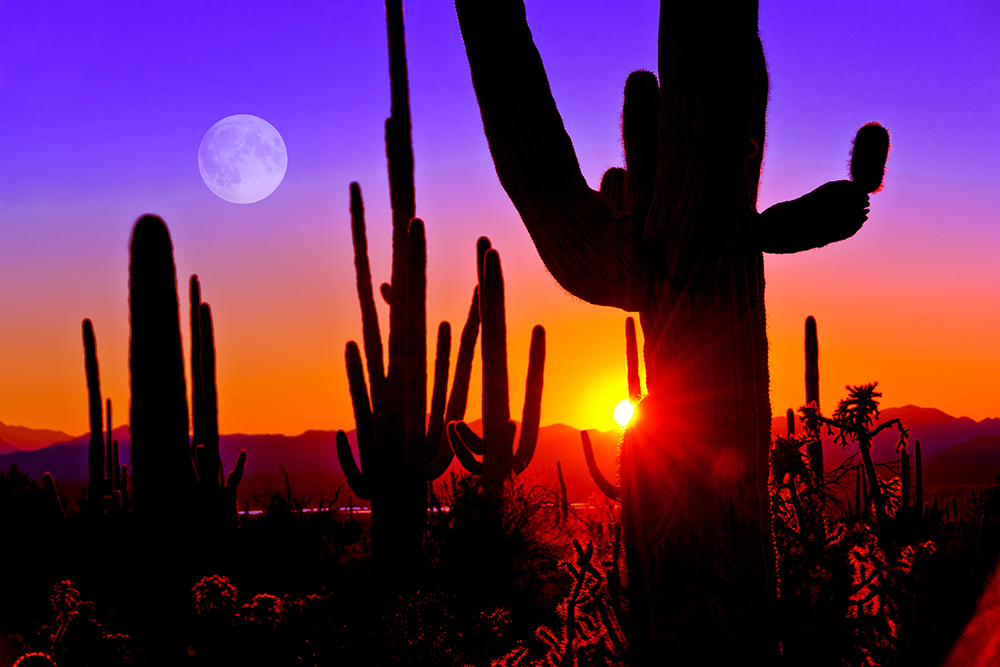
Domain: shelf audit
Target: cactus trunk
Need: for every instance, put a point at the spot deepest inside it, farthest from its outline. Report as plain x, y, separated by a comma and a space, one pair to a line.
163, 477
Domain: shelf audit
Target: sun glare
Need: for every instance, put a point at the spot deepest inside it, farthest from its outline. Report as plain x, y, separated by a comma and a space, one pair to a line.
623, 412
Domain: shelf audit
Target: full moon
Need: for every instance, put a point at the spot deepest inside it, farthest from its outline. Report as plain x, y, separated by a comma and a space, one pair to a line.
242, 159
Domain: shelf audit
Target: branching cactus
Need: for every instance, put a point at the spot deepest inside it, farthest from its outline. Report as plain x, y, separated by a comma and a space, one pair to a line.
399, 451
675, 236
496, 445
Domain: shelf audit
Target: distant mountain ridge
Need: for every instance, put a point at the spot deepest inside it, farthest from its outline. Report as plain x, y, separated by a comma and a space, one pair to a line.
22, 438
953, 446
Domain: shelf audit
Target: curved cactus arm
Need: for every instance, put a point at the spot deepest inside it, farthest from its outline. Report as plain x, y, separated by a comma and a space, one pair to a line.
578, 232
632, 362
459, 388
442, 359
369, 315
607, 488
355, 478
236, 474
832, 212
359, 398
472, 442
531, 417
461, 447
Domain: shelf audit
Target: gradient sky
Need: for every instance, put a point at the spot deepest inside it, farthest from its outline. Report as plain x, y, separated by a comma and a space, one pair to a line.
103, 106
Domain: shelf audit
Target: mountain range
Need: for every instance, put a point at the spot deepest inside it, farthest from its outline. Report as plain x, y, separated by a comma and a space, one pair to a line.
957, 451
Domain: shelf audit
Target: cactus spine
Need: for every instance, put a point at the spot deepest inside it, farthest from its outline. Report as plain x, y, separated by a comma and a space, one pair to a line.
497, 442
398, 452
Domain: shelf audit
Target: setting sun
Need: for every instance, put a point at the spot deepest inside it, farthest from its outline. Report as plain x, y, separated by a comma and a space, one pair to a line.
623, 412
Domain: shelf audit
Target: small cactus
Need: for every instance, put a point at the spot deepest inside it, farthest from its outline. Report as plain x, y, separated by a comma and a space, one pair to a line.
95, 451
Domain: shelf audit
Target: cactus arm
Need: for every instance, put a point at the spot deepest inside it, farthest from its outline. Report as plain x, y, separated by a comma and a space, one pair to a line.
640, 136
197, 415
210, 465
357, 480
442, 359
578, 232
459, 388
614, 186
531, 417
462, 450
832, 212
607, 488
632, 362
372, 337
359, 399
236, 474
472, 442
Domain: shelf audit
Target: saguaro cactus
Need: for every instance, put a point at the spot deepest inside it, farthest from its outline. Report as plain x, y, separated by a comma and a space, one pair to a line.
814, 450
676, 237
398, 450
96, 484
496, 445
163, 477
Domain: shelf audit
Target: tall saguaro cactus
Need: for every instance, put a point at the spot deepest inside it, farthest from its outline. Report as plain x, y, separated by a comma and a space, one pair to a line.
675, 236
162, 474
496, 446
399, 451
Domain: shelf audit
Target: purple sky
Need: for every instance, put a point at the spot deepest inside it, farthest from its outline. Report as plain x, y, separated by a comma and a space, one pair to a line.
103, 106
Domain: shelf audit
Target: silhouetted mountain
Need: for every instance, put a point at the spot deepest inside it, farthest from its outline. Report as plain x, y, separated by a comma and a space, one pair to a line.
310, 459
22, 438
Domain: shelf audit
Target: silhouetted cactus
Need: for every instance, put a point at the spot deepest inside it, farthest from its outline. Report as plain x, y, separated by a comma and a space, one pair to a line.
677, 238
497, 442
634, 396
814, 450
216, 496
918, 487
95, 450
163, 474
868, 156
855, 423
110, 457
904, 477
398, 450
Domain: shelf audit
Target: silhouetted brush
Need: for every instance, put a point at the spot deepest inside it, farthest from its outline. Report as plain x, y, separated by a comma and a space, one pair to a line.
690, 263
95, 450
163, 474
497, 442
